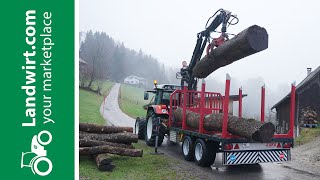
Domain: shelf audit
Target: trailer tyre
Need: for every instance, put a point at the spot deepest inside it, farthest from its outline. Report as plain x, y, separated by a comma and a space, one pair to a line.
150, 130
188, 148
204, 153
139, 127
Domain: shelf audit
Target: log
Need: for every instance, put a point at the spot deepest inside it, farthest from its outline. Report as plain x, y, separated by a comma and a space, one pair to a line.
110, 149
247, 128
250, 41
94, 128
106, 167
102, 159
90, 143
125, 138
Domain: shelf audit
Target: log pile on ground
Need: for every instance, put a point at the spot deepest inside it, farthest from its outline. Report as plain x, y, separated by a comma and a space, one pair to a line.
100, 141
247, 128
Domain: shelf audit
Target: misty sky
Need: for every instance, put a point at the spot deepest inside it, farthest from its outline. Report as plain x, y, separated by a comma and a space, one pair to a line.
167, 30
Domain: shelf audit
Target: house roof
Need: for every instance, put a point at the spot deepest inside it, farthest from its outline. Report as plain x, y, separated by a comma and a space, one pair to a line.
136, 77
312, 75
82, 61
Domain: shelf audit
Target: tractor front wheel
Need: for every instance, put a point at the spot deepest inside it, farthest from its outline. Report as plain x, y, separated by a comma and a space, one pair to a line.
151, 131
139, 127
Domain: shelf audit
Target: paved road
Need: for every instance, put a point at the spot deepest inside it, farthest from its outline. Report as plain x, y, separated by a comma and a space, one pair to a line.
111, 111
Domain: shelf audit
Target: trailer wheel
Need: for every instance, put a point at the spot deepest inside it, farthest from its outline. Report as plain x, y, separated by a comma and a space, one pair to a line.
140, 127
150, 130
204, 153
187, 148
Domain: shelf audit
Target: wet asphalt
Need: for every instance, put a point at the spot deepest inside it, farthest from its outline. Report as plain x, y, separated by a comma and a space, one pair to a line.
112, 113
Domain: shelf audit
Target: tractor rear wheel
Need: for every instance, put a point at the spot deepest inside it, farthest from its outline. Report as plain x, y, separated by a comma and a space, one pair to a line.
151, 131
139, 127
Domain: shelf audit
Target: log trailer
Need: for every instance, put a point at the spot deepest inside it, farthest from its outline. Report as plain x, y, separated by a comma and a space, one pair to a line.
199, 144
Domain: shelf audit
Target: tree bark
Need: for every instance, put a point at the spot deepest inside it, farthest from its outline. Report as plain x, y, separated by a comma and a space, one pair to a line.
102, 159
90, 143
250, 41
110, 149
247, 128
94, 128
126, 138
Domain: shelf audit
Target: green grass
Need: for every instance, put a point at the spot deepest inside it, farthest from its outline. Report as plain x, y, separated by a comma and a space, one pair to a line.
146, 167
90, 104
89, 107
131, 101
307, 135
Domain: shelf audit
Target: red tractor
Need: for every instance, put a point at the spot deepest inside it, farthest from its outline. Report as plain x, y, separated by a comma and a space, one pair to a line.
157, 113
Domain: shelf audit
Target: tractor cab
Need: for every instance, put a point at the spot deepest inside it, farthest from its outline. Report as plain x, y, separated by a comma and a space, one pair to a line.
161, 94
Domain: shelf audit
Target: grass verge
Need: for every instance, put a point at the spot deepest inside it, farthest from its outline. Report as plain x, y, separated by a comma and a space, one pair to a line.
131, 101
307, 135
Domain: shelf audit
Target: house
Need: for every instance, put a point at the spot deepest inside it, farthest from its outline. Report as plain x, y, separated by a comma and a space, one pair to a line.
135, 80
307, 97
82, 66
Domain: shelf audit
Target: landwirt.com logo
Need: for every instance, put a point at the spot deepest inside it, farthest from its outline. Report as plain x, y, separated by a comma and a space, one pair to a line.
37, 159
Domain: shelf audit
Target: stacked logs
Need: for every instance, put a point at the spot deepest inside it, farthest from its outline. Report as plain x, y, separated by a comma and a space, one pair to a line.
247, 128
101, 141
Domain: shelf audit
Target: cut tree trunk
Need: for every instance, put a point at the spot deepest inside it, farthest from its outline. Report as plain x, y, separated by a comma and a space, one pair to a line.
102, 161
94, 128
250, 41
110, 149
247, 128
126, 138
106, 167
90, 143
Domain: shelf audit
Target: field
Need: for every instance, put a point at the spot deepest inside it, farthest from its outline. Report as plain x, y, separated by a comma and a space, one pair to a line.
131, 101
147, 167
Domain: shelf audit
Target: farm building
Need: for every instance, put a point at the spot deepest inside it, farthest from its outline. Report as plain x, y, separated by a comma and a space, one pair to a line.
307, 99
135, 80
82, 66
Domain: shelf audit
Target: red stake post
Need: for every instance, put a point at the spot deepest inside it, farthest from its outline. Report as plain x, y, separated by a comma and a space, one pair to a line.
240, 103
226, 108
202, 106
292, 108
262, 103
184, 108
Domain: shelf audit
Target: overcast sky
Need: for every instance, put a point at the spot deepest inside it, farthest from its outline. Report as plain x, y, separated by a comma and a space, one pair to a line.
167, 30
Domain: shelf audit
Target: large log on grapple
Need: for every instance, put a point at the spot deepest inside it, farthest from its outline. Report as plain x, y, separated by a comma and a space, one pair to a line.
251, 40
247, 128
110, 149
94, 128
125, 138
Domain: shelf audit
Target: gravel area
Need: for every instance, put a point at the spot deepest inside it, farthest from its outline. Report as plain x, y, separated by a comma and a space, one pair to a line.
306, 157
